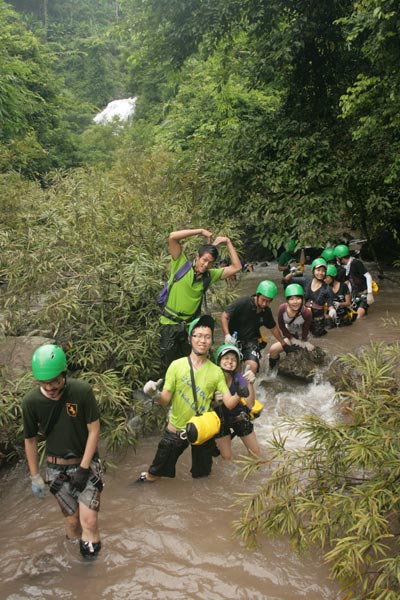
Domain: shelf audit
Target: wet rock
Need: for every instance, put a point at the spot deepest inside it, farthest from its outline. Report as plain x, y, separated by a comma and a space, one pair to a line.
303, 364
16, 354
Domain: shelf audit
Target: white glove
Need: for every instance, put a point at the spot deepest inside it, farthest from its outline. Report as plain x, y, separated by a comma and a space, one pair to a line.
248, 375
332, 313
218, 396
336, 304
370, 298
152, 388
230, 339
308, 346
38, 486
294, 269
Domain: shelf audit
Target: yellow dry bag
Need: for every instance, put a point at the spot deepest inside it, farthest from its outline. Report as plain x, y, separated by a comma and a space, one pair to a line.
201, 428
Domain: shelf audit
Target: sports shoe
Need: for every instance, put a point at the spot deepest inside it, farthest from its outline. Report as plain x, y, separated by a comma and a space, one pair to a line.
143, 479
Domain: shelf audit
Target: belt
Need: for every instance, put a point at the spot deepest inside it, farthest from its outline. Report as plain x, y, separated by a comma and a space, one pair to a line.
58, 460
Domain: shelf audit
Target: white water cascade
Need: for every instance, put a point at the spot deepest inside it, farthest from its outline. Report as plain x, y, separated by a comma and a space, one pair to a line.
117, 109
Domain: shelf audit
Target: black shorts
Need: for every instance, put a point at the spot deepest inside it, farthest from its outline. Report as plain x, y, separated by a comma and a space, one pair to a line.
171, 446
251, 351
241, 428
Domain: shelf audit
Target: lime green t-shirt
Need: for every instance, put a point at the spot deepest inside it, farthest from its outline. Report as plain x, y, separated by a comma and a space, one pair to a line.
208, 379
186, 293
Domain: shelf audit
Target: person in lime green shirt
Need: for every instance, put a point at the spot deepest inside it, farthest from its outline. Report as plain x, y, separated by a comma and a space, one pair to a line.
178, 392
186, 294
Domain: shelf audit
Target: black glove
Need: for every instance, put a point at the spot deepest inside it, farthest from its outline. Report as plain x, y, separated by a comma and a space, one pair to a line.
80, 478
290, 348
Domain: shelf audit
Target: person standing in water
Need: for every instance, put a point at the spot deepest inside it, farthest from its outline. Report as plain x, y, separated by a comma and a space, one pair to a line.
186, 294
178, 393
235, 421
245, 316
360, 280
65, 412
290, 261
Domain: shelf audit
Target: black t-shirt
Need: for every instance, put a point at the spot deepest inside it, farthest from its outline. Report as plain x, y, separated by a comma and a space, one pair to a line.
244, 319
69, 433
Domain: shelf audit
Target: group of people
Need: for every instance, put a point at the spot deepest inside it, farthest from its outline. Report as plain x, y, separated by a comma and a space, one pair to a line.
64, 410
339, 291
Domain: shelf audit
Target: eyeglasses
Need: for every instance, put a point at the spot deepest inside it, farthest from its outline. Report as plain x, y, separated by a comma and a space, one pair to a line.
199, 336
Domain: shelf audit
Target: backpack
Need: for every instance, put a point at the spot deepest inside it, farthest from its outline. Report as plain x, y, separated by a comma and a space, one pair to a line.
164, 294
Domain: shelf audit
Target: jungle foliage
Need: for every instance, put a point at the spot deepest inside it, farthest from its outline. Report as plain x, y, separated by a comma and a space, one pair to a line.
341, 490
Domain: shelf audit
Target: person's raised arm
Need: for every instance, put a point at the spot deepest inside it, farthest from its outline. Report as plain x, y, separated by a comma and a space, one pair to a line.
235, 264
175, 237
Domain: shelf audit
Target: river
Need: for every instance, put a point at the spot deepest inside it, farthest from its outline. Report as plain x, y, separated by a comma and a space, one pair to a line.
173, 540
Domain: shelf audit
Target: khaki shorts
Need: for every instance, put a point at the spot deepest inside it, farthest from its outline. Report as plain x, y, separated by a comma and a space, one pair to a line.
58, 478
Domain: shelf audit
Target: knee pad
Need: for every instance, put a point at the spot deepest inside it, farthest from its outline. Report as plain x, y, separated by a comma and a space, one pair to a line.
89, 549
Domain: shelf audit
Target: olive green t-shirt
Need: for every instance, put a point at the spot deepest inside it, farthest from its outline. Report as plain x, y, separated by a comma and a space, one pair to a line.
208, 379
186, 293
69, 434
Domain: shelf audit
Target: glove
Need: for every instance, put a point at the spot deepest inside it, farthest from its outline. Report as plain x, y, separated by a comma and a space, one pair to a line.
308, 346
38, 486
332, 313
370, 299
289, 348
336, 304
152, 388
294, 269
229, 339
248, 375
80, 478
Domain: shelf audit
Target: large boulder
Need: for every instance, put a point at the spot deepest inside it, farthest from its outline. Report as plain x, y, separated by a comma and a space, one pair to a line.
303, 364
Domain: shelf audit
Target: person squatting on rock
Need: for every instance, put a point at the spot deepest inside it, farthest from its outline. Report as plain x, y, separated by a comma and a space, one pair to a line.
294, 321
360, 280
245, 316
317, 294
178, 392
235, 421
186, 294
65, 412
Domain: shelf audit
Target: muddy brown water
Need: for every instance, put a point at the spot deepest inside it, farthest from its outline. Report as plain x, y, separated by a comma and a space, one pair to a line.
173, 540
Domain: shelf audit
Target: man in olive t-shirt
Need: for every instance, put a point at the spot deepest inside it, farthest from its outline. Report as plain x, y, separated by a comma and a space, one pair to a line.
64, 411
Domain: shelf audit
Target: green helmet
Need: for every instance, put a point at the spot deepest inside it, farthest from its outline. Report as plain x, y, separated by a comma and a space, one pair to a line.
318, 262
331, 270
328, 254
203, 321
294, 289
48, 361
225, 349
267, 288
291, 247
342, 251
